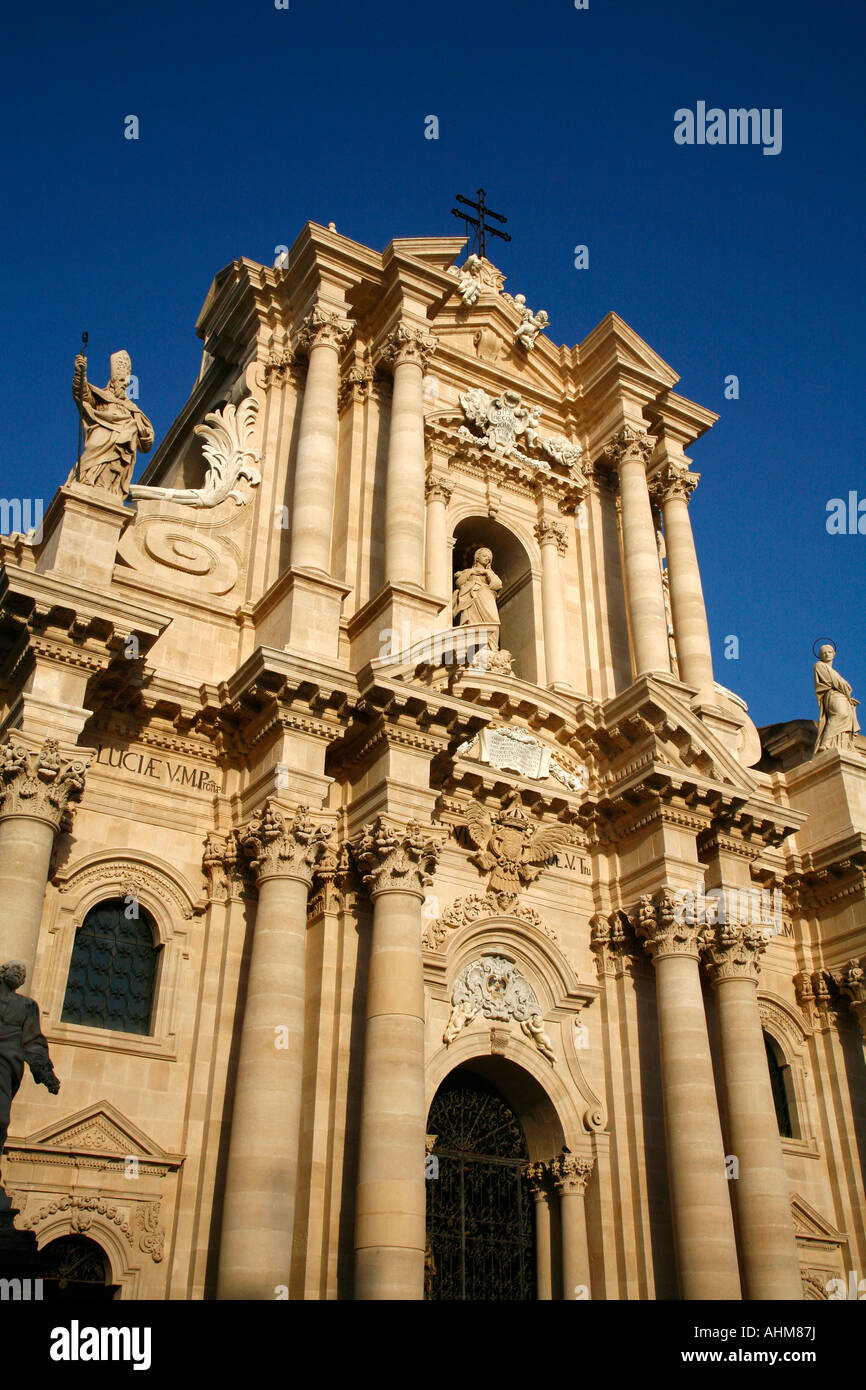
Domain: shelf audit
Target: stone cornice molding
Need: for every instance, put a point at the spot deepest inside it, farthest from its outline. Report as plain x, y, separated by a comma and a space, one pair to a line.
658, 923
549, 532
672, 482
394, 859
734, 952
571, 1173
629, 445
323, 327
406, 343
278, 848
40, 785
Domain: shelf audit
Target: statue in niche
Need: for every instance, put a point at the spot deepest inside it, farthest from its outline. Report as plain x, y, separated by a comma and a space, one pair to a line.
21, 1043
474, 600
114, 427
838, 723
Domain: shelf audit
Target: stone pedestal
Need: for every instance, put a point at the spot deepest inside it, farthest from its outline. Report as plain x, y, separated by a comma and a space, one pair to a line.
81, 531
390, 1206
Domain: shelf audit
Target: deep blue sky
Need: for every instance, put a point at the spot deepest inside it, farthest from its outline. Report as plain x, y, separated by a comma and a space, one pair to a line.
254, 120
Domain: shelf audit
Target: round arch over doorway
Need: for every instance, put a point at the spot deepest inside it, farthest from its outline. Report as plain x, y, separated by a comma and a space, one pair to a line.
480, 1219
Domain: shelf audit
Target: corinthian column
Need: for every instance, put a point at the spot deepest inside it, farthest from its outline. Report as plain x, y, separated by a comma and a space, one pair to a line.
630, 451
322, 336
259, 1203
768, 1245
390, 1204
701, 1208
36, 790
437, 564
538, 1177
407, 350
673, 487
553, 540
571, 1173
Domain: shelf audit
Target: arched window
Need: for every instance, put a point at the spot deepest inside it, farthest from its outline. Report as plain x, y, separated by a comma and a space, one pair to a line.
779, 1082
113, 969
77, 1267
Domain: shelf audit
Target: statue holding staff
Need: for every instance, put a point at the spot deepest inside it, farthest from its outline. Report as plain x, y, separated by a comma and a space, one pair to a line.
114, 427
838, 722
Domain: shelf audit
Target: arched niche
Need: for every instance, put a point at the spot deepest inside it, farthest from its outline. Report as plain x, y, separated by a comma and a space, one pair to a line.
516, 598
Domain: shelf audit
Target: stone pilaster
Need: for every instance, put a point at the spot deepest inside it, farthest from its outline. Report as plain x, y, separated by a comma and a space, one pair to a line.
390, 1209
552, 538
37, 791
321, 337
259, 1202
770, 1264
571, 1174
407, 351
672, 488
703, 1223
630, 452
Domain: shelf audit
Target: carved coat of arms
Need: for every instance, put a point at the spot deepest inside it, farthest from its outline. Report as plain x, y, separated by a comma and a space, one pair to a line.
511, 846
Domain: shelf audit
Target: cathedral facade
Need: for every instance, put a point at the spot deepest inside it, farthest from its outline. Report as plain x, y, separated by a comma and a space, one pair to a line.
411, 912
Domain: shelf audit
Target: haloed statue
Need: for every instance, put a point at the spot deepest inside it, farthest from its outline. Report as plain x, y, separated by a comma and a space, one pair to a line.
21, 1044
837, 707
114, 427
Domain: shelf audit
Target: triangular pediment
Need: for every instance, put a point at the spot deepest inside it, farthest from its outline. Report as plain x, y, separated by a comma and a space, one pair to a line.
98, 1129
809, 1224
614, 342
484, 335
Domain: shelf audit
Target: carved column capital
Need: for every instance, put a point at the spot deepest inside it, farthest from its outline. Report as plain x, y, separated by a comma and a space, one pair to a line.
852, 983
42, 785
537, 1175
323, 326
438, 489
659, 922
672, 482
391, 859
734, 952
613, 943
571, 1172
223, 866
630, 444
550, 532
408, 344
278, 848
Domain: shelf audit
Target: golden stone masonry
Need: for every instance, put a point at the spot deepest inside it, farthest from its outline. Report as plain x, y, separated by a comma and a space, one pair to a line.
411, 912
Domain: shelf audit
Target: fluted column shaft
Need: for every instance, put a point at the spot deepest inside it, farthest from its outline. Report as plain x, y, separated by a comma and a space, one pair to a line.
643, 581
691, 632
553, 540
437, 556
259, 1202
768, 1245
408, 350
322, 336
571, 1173
701, 1208
390, 1204
36, 790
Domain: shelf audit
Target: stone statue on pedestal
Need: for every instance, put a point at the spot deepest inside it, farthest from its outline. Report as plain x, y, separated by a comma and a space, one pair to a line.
114, 427
838, 723
21, 1044
474, 600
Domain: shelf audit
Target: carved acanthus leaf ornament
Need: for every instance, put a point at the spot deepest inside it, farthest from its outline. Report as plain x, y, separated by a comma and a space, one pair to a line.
392, 859
40, 785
